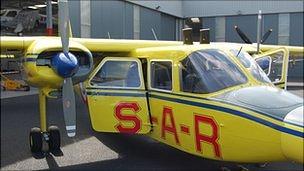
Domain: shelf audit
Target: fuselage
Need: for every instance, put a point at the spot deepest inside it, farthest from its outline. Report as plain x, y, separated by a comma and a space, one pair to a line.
201, 99
214, 123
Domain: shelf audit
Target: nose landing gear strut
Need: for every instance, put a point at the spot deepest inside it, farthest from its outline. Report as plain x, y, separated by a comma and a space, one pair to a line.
39, 136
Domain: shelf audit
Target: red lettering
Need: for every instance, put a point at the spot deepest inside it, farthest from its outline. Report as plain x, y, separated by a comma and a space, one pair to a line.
132, 118
168, 128
213, 139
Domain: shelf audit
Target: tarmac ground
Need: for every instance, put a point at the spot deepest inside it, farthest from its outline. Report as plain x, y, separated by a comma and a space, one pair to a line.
92, 150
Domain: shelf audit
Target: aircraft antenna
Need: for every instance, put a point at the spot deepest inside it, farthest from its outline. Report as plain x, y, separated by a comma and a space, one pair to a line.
154, 34
259, 30
109, 36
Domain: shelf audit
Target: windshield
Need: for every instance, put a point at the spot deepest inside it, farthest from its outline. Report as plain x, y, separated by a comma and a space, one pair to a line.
207, 71
249, 63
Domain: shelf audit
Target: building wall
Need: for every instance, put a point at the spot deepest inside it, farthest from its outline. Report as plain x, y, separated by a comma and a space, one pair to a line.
129, 21
112, 19
209, 22
287, 31
296, 29
132, 21
248, 24
194, 8
74, 8
165, 6
149, 19
271, 21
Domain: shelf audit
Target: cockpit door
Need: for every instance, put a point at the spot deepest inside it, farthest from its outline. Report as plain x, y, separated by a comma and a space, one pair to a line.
117, 98
275, 65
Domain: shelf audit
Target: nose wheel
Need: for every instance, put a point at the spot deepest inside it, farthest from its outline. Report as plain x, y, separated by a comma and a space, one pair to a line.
36, 139
51, 137
54, 138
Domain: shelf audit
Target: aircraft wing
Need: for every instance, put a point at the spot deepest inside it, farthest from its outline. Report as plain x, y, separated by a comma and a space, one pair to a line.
294, 51
11, 44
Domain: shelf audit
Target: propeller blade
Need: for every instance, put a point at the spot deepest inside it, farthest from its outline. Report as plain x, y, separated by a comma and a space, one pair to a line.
63, 14
69, 108
266, 35
242, 35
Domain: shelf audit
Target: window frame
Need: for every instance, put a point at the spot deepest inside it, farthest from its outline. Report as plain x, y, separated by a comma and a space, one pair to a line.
236, 63
118, 59
150, 75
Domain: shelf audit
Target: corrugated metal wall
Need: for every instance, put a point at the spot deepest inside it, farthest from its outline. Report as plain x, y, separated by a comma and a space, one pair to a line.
167, 27
271, 21
74, 8
296, 29
248, 24
169, 7
224, 8
114, 18
209, 22
117, 19
149, 19
162, 24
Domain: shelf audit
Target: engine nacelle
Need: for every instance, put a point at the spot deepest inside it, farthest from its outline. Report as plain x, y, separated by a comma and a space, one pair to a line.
37, 63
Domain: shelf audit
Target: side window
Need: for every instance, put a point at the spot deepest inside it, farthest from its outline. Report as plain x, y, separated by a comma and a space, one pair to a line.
117, 74
161, 75
11, 14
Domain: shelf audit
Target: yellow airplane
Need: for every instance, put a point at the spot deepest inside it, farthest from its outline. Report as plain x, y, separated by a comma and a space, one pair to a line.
209, 99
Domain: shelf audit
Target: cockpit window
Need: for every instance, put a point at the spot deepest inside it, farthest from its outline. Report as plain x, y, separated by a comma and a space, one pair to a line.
207, 71
249, 63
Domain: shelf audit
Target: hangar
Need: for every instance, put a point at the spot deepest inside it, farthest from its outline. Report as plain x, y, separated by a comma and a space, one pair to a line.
160, 20
164, 20
128, 19
136, 19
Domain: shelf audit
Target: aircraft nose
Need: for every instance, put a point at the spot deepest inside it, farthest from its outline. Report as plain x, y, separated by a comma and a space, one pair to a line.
292, 146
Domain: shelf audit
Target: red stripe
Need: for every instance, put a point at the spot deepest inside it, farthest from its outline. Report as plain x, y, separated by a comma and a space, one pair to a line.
185, 129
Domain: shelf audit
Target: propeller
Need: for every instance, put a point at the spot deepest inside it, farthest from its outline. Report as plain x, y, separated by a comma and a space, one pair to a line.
266, 35
242, 35
66, 65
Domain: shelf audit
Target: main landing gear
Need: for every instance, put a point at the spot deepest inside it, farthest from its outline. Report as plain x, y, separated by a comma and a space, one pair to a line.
51, 137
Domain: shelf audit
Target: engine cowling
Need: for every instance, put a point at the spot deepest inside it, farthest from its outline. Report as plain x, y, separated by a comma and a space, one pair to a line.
45, 65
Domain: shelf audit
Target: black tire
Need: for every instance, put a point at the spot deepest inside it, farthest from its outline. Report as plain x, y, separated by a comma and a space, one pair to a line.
54, 138
35, 140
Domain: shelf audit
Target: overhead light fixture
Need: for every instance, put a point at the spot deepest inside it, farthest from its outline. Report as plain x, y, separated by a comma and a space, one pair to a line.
32, 7
40, 6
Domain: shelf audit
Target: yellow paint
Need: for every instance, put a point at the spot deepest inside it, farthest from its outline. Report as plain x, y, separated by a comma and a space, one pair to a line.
293, 147
282, 83
42, 110
236, 140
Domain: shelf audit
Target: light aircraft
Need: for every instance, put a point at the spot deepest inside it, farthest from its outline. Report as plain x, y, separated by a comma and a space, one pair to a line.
207, 99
